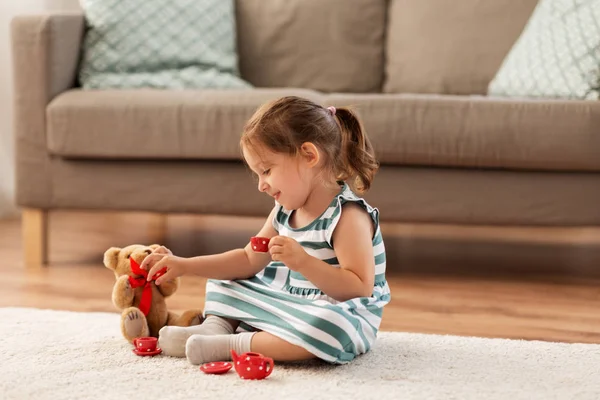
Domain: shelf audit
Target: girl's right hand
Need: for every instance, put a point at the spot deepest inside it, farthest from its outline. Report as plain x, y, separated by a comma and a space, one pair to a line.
152, 259
160, 258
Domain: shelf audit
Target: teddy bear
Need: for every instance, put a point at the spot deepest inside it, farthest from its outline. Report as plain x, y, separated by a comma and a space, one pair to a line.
143, 302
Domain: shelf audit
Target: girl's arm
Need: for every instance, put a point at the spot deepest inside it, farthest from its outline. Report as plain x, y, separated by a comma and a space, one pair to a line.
234, 264
353, 239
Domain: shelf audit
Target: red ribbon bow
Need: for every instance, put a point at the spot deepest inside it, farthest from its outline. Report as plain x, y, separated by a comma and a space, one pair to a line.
146, 300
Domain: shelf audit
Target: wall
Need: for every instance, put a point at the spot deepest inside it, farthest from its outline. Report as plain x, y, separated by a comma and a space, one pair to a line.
8, 9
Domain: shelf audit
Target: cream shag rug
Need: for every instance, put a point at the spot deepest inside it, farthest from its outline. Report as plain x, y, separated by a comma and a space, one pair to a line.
66, 355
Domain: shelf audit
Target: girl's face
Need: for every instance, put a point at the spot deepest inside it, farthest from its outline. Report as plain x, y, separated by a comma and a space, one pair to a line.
285, 178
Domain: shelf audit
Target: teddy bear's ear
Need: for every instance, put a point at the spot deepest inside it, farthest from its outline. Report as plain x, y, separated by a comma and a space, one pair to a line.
111, 257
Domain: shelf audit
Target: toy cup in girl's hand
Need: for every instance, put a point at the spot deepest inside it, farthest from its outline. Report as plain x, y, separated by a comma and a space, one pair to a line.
260, 244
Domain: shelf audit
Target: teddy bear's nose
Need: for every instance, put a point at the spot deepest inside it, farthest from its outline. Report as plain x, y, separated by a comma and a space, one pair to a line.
148, 252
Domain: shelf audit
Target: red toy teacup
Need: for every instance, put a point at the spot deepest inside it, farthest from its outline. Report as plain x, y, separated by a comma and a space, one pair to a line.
252, 365
260, 244
145, 344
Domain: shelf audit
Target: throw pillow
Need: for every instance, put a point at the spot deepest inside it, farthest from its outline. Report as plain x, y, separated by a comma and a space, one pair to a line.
556, 56
165, 44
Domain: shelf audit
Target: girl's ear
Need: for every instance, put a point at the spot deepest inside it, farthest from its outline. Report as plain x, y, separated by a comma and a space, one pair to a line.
310, 153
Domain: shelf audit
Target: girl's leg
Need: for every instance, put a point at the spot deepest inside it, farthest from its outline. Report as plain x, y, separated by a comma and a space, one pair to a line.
201, 349
234, 324
172, 339
277, 348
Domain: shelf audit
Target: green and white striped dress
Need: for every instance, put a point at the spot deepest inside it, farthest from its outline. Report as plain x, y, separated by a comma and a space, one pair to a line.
285, 304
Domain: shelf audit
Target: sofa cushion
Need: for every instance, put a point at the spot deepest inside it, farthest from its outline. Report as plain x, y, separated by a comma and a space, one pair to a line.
450, 47
159, 44
422, 130
339, 46
422, 195
155, 124
558, 54
475, 131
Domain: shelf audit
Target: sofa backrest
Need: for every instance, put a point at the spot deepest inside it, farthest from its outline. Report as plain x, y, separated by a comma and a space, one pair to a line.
326, 45
450, 47
394, 46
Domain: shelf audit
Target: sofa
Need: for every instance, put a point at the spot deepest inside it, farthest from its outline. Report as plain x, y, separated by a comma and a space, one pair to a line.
416, 71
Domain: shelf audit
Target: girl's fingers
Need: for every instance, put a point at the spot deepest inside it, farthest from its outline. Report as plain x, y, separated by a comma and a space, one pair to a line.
148, 260
275, 241
156, 267
164, 278
162, 250
158, 252
276, 252
276, 249
151, 260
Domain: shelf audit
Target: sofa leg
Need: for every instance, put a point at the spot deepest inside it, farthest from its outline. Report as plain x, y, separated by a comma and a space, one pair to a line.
157, 229
35, 237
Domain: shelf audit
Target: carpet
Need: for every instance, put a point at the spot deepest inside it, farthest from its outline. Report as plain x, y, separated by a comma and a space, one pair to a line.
55, 355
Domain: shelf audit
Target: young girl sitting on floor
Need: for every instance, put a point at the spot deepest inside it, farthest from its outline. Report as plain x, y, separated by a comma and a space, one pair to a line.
321, 289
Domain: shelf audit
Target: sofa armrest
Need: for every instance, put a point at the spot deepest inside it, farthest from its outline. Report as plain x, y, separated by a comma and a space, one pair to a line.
45, 53
47, 47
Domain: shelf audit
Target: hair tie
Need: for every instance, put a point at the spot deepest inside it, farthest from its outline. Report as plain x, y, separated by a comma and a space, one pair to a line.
331, 110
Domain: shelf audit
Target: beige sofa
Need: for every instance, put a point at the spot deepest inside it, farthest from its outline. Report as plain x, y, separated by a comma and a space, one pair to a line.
417, 72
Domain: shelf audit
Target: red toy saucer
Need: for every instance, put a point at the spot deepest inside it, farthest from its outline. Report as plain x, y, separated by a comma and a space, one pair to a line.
147, 353
216, 367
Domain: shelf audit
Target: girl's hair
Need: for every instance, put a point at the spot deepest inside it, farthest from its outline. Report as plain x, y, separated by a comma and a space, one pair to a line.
283, 125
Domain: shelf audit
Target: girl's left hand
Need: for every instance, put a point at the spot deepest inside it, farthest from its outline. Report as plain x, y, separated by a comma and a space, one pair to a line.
287, 251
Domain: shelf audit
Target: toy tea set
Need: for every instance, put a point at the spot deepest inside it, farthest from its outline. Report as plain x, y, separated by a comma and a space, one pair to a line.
248, 365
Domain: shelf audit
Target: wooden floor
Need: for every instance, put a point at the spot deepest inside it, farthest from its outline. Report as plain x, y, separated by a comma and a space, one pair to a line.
481, 303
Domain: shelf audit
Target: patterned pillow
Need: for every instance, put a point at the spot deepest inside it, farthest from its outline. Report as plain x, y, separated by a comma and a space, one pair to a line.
165, 44
556, 56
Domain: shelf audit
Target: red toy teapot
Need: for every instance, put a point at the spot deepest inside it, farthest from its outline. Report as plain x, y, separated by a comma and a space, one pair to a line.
252, 365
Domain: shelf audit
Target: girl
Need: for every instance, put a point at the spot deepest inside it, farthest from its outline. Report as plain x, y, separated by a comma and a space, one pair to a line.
321, 288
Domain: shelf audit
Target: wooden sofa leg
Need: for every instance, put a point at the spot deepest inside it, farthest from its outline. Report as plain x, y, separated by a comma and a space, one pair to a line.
35, 237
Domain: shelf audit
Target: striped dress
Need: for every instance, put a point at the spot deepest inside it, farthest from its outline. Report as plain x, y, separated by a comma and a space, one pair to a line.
285, 304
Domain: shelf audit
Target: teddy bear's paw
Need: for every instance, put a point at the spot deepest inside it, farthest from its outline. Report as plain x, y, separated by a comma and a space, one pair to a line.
128, 289
133, 323
197, 320
189, 318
